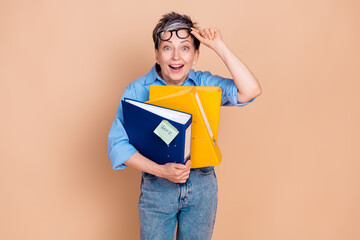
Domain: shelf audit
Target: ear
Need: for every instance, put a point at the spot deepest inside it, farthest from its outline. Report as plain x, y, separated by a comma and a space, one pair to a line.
196, 57
157, 56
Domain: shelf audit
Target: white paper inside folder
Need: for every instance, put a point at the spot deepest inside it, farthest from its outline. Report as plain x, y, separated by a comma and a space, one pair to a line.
176, 116
187, 142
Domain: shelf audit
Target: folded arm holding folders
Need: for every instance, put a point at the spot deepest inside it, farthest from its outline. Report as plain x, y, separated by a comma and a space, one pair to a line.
204, 105
160, 134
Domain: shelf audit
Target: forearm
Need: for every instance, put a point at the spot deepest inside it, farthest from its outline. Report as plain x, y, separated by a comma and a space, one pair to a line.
142, 163
245, 81
175, 172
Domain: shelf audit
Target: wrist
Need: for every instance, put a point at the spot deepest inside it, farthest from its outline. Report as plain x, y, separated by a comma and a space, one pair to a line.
220, 48
158, 170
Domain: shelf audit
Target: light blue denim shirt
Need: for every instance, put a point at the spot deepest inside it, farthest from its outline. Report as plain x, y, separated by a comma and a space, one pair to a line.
119, 148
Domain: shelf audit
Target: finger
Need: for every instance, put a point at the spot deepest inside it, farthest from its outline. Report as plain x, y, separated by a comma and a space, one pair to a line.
179, 166
181, 173
212, 32
217, 33
186, 173
184, 177
207, 32
194, 30
181, 181
202, 33
196, 33
184, 167
187, 169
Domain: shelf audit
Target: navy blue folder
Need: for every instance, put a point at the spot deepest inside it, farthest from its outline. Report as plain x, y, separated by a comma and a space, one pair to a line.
140, 121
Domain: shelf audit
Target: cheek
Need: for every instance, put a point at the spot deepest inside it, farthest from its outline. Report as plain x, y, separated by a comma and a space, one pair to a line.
163, 57
189, 58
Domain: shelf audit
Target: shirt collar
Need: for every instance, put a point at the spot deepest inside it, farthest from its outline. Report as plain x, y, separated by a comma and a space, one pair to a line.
152, 76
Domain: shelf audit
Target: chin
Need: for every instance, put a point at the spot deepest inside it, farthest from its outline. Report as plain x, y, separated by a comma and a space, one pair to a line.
176, 78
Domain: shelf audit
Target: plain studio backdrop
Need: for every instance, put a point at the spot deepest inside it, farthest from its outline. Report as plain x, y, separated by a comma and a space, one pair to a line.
291, 159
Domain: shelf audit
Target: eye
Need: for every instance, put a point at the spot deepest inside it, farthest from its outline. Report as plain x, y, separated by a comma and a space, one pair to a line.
167, 48
185, 48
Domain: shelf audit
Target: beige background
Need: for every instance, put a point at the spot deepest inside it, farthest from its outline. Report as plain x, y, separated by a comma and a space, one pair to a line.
291, 159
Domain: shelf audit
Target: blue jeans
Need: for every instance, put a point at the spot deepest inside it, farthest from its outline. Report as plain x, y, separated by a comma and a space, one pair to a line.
192, 205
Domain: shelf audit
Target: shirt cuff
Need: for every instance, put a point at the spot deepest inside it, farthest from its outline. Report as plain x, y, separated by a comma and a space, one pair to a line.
119, 155
243, 104
231, 100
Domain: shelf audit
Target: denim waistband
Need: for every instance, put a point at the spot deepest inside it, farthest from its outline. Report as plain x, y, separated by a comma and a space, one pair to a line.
202, 168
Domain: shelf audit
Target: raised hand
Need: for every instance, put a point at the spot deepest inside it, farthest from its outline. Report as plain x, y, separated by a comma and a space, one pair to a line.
210, 37
246, 83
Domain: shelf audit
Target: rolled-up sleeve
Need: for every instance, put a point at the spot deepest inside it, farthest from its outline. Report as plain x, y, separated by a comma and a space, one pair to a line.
228, 88
119, 148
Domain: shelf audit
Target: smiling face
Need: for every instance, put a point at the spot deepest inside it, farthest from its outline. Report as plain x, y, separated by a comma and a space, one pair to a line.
176, 57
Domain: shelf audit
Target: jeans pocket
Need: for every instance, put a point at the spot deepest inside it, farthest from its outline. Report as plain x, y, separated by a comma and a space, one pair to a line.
205, 170
148, 176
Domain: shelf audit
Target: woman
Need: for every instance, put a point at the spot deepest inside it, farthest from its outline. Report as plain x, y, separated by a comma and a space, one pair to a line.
173, 193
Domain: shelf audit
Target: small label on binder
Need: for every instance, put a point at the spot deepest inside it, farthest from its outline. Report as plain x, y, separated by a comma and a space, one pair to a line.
166, 131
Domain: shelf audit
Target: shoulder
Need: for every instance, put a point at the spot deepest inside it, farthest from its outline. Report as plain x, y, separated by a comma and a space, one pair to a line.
201, 77
140, 81
202, 74
206, 78
146, 79
138, 89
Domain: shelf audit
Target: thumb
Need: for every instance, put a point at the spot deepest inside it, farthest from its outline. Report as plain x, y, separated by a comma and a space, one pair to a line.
180, 166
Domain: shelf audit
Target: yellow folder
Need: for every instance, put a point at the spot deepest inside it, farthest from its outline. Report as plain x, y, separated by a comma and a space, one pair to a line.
210, 98
204, 104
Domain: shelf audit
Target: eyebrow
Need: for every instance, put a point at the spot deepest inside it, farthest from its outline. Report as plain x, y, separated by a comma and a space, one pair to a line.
180, 42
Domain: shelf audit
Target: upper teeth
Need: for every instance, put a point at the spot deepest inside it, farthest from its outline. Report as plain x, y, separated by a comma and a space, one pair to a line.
176, 65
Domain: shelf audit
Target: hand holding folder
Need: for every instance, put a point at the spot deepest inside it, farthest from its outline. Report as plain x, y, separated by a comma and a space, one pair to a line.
160, 134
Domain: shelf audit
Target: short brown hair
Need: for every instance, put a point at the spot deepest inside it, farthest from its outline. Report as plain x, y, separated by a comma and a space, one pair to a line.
173, 21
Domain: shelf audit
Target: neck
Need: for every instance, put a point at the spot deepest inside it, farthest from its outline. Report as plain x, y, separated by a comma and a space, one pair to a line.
169, 82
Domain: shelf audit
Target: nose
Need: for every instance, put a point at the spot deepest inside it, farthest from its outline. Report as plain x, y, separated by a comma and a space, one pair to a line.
176, 55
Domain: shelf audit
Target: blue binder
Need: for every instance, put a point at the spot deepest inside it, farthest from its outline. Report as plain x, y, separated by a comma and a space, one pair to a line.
140, 121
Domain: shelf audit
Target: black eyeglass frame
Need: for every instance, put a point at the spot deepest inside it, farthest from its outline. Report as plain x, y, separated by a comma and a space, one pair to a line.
176, 31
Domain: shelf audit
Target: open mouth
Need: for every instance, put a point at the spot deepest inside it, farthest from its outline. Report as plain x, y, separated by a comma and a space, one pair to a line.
176, 67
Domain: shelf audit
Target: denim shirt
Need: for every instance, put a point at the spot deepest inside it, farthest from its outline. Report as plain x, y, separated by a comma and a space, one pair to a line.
119, 148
